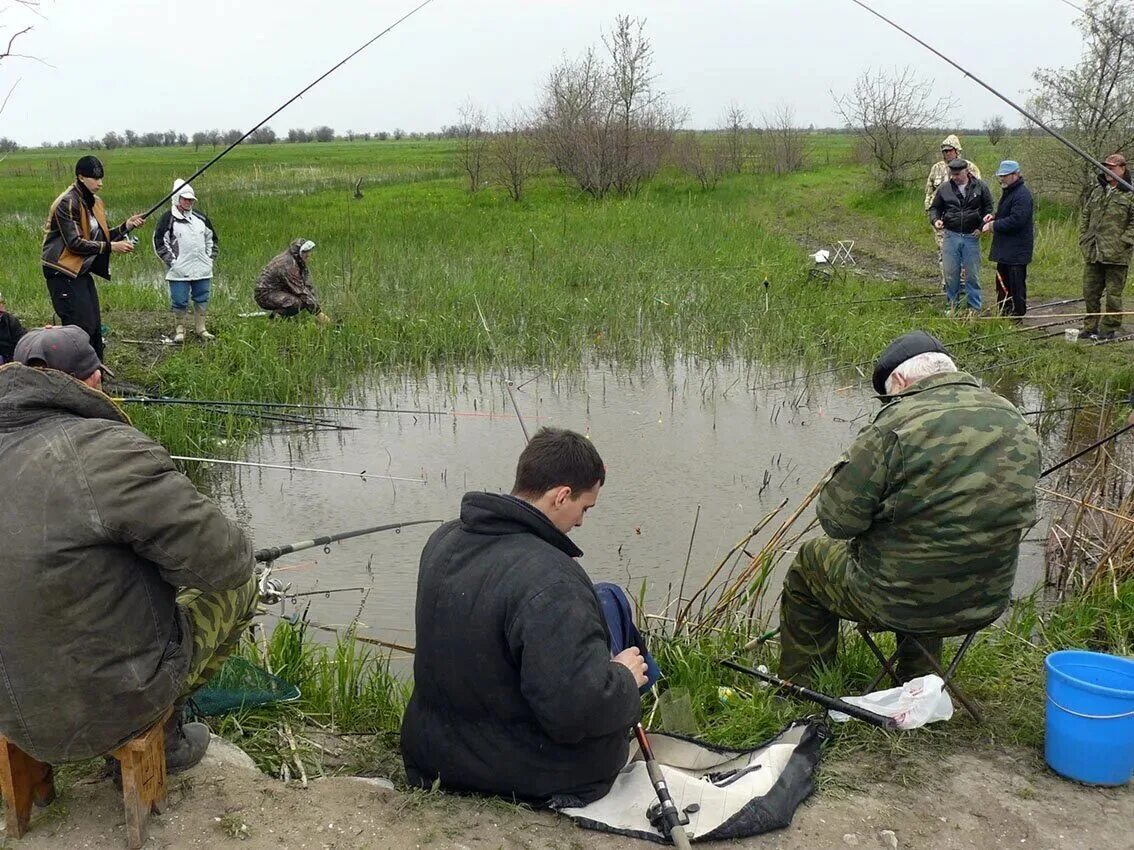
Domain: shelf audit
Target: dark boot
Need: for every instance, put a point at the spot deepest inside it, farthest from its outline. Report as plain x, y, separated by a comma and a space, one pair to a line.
185, 743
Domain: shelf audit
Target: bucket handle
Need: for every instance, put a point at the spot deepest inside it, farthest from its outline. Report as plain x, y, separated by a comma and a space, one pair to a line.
1122, 716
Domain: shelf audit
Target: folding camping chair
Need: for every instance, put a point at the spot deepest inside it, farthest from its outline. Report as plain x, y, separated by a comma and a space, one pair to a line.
947, 674
844, 253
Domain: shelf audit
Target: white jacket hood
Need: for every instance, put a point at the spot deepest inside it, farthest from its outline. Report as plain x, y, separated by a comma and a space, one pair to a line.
180, 189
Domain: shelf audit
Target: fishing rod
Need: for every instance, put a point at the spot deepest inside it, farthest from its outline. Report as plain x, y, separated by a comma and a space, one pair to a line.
1121, 36
671, 819
1089, 448
278, 404
829, 703
285, 105
950, 345
362, 474
1123, 181
279, 417
273, 552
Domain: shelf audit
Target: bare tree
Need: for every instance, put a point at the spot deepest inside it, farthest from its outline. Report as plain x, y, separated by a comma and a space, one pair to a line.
736, 132
995, 128
782, 144
705, 159
472, 142
890, 112
513, 155
603, 122
1092, 103
8, 44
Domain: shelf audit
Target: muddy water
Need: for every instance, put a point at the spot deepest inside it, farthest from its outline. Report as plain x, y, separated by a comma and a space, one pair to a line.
707, 436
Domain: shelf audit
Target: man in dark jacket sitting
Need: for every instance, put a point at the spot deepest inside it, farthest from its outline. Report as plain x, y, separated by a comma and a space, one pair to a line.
515, 690
1013, 237
99, 533
959, 209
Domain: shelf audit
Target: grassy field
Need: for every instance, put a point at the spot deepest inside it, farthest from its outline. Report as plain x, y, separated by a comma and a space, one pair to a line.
673, 271
406, 270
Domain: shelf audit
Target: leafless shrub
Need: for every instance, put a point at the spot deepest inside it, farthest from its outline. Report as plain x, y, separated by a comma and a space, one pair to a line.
890, 112
780, 147
736, 139
705, 158
995, 128
472, 143
603, 122
1092, 103
514, 155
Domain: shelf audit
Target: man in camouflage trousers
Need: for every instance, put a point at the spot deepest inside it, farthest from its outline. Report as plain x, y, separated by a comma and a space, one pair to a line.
938, 174
1106, 238
100, 532
924, 515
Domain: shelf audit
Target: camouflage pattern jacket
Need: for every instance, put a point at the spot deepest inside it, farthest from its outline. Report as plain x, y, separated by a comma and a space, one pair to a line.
939, 171
1106, 226
933, 497
285, 282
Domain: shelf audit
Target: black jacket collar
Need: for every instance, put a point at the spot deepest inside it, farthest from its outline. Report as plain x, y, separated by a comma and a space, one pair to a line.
492, 513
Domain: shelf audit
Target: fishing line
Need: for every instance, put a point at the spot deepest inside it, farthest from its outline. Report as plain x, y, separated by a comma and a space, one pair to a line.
1034, 119
286, 104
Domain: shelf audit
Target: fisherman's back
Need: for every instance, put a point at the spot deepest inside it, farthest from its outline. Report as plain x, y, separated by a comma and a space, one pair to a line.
943, 546
514, 692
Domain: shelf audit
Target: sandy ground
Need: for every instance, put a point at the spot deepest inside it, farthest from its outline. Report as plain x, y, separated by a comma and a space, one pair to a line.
1000, 800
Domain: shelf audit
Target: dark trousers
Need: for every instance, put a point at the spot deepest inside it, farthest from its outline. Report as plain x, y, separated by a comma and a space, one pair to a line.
1011, 289
76, 303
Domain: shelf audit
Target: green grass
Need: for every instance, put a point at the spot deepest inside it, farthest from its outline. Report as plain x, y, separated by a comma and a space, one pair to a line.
351, 695
559, 277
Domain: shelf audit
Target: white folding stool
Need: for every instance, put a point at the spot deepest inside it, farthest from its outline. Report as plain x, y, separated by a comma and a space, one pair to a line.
844, 253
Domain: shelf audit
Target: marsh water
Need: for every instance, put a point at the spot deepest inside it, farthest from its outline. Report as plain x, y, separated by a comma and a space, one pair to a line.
722, 444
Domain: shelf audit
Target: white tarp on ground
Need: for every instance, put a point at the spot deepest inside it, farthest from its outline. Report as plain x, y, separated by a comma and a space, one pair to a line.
732, 793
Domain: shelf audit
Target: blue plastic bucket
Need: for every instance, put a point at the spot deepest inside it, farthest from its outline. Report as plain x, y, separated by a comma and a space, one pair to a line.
1090, 716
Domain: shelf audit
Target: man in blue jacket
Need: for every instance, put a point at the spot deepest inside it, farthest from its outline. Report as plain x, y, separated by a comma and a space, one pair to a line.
1013, 238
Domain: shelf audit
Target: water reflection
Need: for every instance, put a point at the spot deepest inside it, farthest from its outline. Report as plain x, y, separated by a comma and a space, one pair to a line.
675, 439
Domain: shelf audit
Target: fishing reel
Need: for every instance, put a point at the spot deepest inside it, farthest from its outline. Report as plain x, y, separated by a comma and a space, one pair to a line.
272, 590
656, 816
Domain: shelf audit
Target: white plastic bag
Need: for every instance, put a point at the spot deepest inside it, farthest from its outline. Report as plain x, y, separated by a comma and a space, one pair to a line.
821, 256
919, 701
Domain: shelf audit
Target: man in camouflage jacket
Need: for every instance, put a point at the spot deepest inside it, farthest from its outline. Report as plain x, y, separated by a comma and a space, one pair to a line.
938, 174
1106, 238
924, 515
284, 286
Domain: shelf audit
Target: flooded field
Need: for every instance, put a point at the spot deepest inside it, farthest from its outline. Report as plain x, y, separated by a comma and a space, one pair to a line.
729, 440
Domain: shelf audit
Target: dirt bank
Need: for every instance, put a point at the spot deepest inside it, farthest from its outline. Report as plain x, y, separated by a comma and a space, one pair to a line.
985, 801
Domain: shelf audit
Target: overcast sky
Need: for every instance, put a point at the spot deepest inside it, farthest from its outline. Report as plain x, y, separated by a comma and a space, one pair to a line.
198, 64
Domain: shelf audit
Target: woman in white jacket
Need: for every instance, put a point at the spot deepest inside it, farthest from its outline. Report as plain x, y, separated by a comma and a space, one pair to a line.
186, 241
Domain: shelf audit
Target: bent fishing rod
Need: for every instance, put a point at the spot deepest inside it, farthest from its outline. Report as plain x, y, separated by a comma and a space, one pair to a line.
285, 105
1123, 181
271, 553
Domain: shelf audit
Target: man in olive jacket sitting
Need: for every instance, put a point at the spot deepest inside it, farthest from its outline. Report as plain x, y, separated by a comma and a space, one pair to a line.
99, 533
924, 514
515, 690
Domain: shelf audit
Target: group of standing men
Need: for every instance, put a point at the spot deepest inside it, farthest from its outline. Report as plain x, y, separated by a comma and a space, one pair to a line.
960, 210
959, 205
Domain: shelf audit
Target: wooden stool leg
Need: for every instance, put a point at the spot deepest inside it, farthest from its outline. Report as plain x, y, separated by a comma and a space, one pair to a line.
23, 781
143, 780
